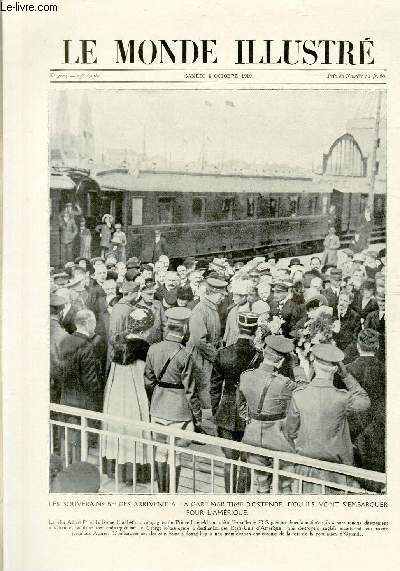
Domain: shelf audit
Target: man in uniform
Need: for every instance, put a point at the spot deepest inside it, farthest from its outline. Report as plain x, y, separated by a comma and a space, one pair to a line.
174, 400
316, 422
230, 363
264, 398
57, 336
205, 336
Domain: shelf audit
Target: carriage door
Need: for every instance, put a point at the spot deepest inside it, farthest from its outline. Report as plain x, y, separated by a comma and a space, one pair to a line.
336, 211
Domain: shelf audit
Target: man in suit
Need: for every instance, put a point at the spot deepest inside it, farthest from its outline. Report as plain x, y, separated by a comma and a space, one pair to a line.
167, 292
370, 373
205, 336
331, 292
68, 231
365, 302
70, 309
159, 246
81, 385
230, 363
348, 320
57, 336
376, 320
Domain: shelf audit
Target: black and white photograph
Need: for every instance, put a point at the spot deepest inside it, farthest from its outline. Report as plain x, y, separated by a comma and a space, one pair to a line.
217, 266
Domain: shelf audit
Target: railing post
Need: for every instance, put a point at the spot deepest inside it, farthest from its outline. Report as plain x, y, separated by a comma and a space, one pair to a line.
171, 462
84, 439
66, 451
51, 438
275, 476
134, 474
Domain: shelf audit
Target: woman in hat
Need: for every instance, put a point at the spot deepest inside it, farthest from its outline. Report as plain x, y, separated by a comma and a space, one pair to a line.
85, 240
106, 230
119, 243
125, 396
331, 246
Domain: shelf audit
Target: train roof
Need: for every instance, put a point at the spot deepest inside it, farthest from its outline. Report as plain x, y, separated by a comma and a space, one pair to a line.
61, 181
174, 181
349, 185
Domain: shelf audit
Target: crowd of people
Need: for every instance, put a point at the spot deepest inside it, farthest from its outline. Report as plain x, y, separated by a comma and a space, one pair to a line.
279, 354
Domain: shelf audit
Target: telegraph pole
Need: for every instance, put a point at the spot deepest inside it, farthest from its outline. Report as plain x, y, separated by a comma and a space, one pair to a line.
373, 166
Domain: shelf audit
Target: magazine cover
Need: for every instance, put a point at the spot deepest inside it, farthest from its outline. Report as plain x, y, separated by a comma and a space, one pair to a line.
199, 309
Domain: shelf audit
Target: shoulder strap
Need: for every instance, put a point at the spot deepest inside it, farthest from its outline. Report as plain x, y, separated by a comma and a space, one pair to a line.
166, 364
262, 398
253, 361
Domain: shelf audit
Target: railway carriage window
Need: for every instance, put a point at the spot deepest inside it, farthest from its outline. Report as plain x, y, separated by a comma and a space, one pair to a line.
227, 208
137, 211
315, 210
324, 204
293, 206
272, 207
310, 209
197, 209
283, 207
377, 167
165, 210
251, 206
263, 206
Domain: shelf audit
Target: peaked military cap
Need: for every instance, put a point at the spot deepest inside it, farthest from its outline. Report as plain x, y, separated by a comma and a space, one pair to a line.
372, 254
178, 314
327, 352
216, 283
248, 319
61, 279
279, 344
57, 300
129, 287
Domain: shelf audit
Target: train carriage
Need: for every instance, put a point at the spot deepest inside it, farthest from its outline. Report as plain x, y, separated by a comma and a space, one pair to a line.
205, 214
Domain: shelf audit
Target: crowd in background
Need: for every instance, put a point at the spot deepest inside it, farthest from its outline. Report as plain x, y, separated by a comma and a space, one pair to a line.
281, 354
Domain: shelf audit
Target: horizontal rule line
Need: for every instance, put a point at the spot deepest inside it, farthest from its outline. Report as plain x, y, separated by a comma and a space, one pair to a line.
216, 70
207, 83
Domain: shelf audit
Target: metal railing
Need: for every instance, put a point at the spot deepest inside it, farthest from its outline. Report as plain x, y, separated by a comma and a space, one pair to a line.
280, 466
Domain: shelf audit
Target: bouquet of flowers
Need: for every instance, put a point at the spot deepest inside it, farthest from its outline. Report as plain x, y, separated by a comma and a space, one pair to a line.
318, 329
267, 325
